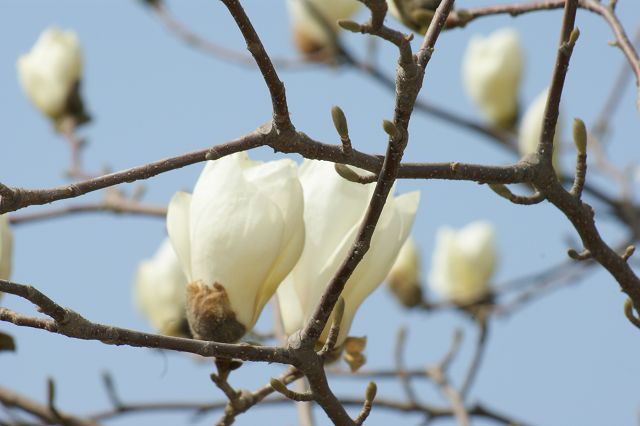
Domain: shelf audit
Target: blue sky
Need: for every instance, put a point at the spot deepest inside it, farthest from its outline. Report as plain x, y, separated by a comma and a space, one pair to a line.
570, 358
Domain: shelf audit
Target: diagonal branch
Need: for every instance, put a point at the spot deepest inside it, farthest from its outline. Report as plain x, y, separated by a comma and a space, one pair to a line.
281, 117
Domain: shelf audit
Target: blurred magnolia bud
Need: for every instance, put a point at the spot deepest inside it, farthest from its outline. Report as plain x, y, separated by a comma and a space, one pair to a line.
315, 24
404, 276
333, 210
491, 72
414, 14
236, 237
159, 292
50, 75
530, 131
463, 262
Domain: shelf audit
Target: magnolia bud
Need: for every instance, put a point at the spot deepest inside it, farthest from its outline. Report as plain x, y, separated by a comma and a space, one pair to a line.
159, 292
463, 262
315, 23
404, 276
333, 210
236, 237
491, 71
50, 75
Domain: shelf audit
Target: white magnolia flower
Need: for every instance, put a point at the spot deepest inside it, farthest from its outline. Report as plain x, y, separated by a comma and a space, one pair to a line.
334, 208
50, 71
310, 33
463, 262
159, 291
491, 71
530, 130
404, 276
236, 237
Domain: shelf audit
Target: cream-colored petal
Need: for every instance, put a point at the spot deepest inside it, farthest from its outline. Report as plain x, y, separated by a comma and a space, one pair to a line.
236, 235
290, 306
50, 70
159, 290
463, 262
390, 234
178, 227
332, 205
334, 209
278, 180
491, 72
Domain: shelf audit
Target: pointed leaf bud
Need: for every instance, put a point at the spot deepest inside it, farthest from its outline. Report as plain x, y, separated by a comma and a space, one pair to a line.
580, 136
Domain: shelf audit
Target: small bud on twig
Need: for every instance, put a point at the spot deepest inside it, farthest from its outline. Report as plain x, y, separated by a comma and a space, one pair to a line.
351, 175
280, 387
580, 136
574, 36
628, 312
370, 393
349, 25
628, 252
584, 255
340, 121
390, 129
502, 190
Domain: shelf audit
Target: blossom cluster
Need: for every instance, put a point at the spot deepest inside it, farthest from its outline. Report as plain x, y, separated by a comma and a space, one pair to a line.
250, 230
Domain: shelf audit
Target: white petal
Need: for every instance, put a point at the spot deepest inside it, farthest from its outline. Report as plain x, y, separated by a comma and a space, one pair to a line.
463, 262
160, 290
279, 181
290, 306
334, 209
236, 235
50, 70
390, 234
332, 204
178, 228
491, 71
